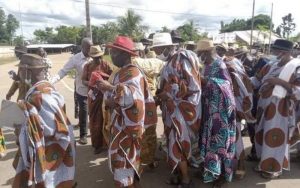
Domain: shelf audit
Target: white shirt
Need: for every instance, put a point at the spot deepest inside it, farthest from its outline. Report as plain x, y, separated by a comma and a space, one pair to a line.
76, 62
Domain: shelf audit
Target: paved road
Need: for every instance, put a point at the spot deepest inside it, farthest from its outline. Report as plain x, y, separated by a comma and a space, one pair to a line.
92, 170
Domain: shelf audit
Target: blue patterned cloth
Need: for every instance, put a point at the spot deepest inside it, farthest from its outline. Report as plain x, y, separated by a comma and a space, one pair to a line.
217, 144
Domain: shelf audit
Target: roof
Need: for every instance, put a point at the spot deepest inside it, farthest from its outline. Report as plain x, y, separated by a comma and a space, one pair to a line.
34, 46
258, 37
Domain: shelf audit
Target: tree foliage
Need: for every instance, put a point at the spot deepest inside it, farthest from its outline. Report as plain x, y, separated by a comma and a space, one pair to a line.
189, 32
260, 21
288, 25
8, 27
130, 25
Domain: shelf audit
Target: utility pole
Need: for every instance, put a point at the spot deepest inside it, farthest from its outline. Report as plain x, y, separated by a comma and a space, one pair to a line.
21, 24
88, 20
270, 29
252, 24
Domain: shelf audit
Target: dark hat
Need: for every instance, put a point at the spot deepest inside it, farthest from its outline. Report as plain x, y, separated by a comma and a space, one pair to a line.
21, 49
282, 44
123, 43
176, 38
32, 61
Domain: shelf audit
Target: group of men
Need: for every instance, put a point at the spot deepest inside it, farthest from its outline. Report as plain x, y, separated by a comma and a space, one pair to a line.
204, 92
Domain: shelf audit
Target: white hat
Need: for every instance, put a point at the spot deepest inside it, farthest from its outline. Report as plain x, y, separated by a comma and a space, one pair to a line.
190, 43
139, 46
162, 39
204, 45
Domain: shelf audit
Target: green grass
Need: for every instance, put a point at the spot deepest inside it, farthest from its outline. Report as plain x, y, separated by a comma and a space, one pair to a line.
5, 60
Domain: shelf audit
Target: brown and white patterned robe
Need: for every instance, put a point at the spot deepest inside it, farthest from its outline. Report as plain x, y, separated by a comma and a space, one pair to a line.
135, 109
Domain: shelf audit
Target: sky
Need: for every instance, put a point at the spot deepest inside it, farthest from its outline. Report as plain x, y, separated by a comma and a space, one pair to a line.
207, 14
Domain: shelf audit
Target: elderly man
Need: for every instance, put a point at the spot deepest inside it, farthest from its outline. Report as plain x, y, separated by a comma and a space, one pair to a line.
279, 90
78, 62
94, 71
46, 151
217, 147
181, 107
134, 109
17, 84
163, 46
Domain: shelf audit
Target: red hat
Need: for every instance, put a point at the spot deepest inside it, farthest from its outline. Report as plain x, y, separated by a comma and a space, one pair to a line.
124, 44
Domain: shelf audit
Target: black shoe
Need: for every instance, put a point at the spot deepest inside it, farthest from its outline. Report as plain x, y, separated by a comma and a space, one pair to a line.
83, 141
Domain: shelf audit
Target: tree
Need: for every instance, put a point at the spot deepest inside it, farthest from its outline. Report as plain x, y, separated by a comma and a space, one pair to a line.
12, 24
260, 20
18, 41
278, 31
3, 33
45, 36
130, 25
189, 32
165, 29
67, 34
108, 32
287, 26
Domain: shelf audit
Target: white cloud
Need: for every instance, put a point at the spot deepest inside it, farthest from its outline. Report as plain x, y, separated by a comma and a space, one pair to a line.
46, 13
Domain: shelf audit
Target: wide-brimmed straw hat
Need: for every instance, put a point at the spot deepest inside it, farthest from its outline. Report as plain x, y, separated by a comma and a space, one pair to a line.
223, 45
162, 39
123, 43
204, 45
96, 51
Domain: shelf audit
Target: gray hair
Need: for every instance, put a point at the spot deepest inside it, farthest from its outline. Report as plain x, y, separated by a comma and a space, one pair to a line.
86, 41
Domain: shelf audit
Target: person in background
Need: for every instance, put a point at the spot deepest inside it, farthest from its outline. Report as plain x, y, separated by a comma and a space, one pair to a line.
151, 68
93, 72
78, 62
46, 156
221, 49
41, 52
17, 84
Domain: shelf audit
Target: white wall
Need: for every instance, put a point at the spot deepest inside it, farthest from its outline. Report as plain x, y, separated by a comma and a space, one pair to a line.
7, 51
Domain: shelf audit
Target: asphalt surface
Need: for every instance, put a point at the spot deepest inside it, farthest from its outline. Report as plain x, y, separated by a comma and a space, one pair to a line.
92, 170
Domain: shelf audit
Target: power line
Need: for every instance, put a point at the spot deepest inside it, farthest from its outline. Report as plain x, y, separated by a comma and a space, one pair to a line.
145, 10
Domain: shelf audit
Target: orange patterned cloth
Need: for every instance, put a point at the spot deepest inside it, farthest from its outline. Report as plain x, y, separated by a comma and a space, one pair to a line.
47, 150
135, 110
182, 112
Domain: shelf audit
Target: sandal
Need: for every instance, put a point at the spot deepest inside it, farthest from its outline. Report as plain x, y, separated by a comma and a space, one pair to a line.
270, 176
240, 174
153, 165
256, 169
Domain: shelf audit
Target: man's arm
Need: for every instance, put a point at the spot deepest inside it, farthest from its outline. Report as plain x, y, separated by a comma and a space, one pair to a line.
64, 71
13, 88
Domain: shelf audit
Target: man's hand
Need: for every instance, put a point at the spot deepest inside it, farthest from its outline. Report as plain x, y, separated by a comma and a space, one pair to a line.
8, 97
163, 96
273, 81
104, 85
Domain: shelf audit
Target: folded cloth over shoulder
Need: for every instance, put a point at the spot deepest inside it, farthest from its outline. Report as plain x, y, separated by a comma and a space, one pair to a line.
285, 75
11, 114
